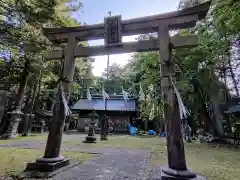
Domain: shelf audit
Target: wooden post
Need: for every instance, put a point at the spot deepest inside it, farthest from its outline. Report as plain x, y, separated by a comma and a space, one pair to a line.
52, 159
175, 146
54, 138
177, 167
104, 123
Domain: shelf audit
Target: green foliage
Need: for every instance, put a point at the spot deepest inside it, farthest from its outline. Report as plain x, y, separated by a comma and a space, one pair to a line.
202, 68
23, 22
226, 17
75, 90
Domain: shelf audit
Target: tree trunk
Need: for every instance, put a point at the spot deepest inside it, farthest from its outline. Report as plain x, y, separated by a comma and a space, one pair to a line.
5, 120
28, 113
36, 90
226, 95
3, 103
235, 84
16, 115
208, 120
225, 75
103, 128
203, 98
37, 101
22, 86
217, 121
145, 125
104, 123
107, 126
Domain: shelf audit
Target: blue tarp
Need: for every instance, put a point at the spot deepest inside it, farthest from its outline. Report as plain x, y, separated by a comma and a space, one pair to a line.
164, 134
152, 132
132, 130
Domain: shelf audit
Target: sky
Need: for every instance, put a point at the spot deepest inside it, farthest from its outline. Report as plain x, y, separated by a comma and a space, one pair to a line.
94, 11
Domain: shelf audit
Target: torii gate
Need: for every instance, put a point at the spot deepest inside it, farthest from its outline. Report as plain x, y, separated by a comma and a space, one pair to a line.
112, 31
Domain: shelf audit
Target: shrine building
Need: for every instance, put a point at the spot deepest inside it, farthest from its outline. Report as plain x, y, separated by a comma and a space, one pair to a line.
120, 112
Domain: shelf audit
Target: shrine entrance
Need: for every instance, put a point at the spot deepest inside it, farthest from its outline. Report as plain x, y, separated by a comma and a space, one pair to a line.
112, 31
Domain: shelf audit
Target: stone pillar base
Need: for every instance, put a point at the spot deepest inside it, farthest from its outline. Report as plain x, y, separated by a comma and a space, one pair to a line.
47, 164
172, 174
90, 139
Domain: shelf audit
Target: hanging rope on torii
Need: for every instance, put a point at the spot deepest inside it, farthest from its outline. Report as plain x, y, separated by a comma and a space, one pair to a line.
112, 31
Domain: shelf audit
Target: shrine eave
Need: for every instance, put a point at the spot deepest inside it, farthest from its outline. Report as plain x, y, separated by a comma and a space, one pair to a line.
180, 19
98, 104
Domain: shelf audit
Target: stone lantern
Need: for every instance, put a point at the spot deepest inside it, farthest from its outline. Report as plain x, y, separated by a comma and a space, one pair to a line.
16, 114
92, 124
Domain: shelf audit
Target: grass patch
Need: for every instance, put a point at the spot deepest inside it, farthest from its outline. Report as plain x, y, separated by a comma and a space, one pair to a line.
131, 142
36, 136
146, 136
213, 161
14, 160
128, 142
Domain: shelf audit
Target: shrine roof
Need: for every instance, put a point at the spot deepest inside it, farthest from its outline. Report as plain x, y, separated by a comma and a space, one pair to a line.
114, 103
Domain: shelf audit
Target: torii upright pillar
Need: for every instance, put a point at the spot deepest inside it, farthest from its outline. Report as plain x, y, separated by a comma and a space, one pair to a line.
177, 168
52, 159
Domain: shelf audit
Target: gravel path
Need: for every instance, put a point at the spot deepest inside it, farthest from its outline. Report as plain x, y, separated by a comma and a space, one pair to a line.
110, 164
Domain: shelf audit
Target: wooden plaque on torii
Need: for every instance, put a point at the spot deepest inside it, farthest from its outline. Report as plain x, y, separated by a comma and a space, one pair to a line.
113, 31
